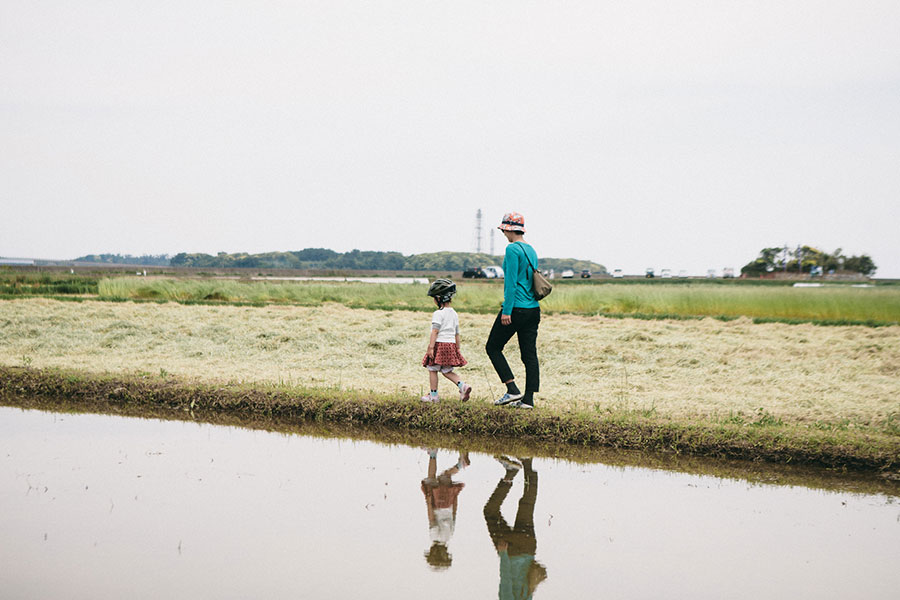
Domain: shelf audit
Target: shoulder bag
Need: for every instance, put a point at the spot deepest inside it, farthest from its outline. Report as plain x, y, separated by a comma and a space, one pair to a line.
540, 286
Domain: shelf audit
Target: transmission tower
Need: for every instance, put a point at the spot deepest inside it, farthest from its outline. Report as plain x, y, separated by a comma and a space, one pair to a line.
492, 242
478, 231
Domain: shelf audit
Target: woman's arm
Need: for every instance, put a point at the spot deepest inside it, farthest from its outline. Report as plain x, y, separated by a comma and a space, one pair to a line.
511, 273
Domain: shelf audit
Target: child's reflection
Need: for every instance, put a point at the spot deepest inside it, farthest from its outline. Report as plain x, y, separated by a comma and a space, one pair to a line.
441, 493
520, 573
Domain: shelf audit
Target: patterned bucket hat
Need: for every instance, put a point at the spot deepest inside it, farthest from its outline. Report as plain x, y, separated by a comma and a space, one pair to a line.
513, 222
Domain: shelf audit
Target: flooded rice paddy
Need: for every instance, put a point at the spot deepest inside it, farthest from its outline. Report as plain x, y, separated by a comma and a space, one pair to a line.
97, 506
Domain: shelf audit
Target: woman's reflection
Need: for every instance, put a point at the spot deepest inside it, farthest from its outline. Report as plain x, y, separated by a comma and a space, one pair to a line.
520, 573
441, 494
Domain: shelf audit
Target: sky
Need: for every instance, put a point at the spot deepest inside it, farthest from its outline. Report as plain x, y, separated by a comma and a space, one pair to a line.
669, 134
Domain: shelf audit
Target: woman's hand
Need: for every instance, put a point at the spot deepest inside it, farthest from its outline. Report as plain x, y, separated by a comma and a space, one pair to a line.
505, 319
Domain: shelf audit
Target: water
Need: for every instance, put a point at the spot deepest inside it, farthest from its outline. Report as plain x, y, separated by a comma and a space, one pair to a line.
98, 506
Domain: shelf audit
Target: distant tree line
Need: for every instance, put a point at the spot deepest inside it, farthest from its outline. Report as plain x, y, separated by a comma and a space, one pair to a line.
805, 259
159, 260
322, 258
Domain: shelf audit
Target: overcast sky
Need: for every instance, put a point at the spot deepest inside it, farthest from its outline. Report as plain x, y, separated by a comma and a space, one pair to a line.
670, 134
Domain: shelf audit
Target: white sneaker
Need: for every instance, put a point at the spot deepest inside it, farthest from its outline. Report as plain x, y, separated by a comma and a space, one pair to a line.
510, 464
465, 392
506, 399
430, 398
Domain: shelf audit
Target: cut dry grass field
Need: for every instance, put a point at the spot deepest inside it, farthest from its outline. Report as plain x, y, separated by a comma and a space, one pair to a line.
734, 372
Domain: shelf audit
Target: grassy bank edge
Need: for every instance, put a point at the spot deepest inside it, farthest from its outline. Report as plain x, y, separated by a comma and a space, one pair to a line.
777, 443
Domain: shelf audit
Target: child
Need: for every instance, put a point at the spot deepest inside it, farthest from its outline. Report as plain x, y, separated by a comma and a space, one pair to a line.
441, 501
443, 346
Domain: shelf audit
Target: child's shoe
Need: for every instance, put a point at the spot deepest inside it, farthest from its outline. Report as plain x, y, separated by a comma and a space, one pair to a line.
465, 391
430, 398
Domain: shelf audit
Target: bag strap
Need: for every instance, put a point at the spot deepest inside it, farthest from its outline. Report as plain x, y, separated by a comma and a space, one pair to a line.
527, 259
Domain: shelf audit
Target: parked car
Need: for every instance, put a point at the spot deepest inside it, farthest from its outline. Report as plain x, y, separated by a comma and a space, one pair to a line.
711, 274
650, 273
727, 272
474, 273
682, 274
493, 272
617, 273
585, 273
666, 274
567, 274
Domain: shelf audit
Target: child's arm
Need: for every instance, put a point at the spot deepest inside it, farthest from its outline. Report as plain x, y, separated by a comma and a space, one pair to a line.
431, 341
457, 340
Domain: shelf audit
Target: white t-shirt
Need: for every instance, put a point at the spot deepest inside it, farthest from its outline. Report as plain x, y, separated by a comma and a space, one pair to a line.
446, 321
443, 527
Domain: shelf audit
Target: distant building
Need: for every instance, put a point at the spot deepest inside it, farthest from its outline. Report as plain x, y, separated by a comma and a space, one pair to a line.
18, 262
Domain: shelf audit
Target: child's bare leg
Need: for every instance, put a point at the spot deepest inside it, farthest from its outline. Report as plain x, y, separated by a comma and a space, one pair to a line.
432, 379
452, 377
460, 465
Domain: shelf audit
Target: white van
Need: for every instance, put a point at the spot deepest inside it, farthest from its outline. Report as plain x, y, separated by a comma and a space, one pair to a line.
493, 272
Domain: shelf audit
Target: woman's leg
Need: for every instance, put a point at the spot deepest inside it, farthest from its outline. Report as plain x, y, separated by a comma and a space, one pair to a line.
530, 319
524, 541
500, 334
498, 528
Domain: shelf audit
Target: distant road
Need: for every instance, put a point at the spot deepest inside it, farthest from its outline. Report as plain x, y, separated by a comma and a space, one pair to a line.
362, 279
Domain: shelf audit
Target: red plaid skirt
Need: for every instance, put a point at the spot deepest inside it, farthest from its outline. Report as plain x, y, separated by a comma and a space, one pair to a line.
444, 495
446, 354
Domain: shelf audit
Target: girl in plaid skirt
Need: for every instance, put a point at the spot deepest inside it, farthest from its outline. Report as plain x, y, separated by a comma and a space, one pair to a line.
443, 346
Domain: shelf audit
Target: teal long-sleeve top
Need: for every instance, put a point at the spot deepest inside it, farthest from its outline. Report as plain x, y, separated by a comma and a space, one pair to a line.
514, 576
517, 273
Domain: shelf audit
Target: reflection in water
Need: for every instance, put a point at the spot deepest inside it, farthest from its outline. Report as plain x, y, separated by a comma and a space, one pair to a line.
520, 573
227, 513
441, 494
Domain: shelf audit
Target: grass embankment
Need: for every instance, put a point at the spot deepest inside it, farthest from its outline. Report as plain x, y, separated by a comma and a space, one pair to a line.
625, 430
839, 305
755, 472
798, 392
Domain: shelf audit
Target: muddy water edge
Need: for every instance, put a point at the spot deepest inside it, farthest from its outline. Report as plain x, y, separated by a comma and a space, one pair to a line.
876, 452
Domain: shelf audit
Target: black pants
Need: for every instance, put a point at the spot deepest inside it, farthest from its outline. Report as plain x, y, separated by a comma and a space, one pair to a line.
520, 536
524, 324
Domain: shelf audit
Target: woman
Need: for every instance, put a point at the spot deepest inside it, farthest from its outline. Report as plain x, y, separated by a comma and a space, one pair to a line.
520, 315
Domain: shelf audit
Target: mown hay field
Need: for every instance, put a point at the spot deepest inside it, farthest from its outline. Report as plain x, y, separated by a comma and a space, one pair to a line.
840, 377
